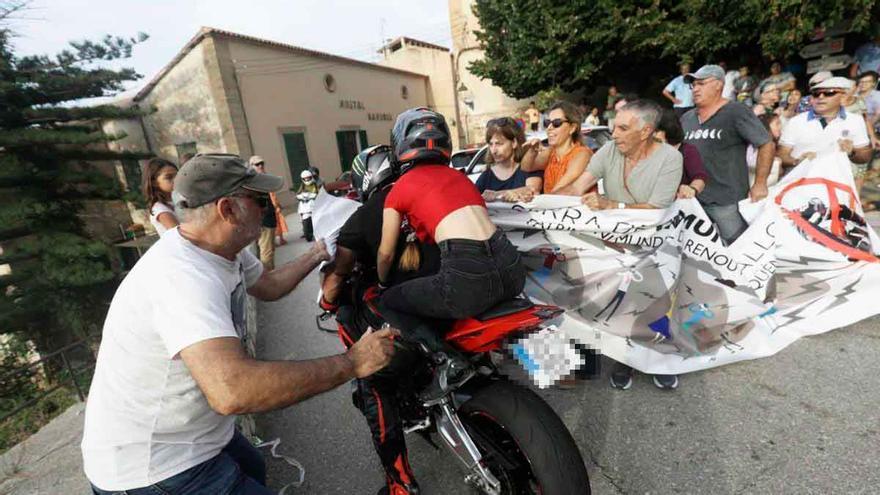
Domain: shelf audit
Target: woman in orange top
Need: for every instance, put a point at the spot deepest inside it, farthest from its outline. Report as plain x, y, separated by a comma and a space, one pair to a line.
566, 158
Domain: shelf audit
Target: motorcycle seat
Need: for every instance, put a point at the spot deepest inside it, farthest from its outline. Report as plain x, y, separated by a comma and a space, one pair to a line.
505, 308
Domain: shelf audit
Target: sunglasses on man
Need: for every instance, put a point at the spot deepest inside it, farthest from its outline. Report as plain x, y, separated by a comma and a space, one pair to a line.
554, 123
262, 200
825, 93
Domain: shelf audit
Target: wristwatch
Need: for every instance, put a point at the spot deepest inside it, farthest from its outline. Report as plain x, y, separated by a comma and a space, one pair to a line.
621, 206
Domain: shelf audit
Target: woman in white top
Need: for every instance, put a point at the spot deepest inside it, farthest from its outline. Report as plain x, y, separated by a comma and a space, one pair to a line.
158, 183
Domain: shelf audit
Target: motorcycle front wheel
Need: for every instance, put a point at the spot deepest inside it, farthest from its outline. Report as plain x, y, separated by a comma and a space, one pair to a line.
524, 442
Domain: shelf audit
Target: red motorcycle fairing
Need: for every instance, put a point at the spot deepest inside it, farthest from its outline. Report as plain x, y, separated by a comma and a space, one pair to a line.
474, 335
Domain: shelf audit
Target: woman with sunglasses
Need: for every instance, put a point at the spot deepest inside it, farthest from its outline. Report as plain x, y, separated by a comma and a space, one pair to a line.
566, 158
504, 180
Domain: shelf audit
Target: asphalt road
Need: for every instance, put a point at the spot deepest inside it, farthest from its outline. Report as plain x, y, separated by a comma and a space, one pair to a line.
804, 421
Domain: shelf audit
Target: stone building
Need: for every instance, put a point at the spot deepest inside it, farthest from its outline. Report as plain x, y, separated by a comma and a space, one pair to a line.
230, 93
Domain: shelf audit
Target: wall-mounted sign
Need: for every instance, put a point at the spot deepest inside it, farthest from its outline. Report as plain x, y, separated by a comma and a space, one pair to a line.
351, 104
836, 62
379, 116
827, 47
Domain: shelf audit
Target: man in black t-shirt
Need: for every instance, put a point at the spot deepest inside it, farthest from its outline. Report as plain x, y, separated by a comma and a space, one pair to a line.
352, 273
722, 130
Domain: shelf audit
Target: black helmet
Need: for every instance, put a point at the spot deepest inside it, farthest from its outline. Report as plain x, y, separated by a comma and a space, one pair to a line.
372, 169
420, 136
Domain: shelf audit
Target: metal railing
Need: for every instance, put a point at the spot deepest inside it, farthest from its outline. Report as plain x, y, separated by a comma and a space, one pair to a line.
67, 366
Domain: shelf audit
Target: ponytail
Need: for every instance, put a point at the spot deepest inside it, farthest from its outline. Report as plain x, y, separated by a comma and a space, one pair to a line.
411, 259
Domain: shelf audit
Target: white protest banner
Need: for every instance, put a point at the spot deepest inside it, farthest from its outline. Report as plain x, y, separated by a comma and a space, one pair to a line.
329, 215
658, 289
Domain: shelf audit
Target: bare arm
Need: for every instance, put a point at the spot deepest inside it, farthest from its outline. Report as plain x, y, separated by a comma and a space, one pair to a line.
235, 383
342, 267
785, 156
762, 170
168, 220
391, 219
534, 158
595, 201
521, 194
580, 185
576, 168
275, 284
861, 155
669, 96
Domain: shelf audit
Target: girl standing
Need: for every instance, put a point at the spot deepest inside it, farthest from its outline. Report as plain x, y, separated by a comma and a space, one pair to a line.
158, 183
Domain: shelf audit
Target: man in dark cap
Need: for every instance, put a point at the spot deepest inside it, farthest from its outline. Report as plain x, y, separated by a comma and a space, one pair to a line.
172, 372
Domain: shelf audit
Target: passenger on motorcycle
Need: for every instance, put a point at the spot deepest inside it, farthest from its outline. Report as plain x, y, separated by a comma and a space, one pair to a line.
351, 274
306, 195
479, 266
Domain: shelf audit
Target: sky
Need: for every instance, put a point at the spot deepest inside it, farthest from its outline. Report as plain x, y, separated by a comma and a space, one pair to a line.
352, 28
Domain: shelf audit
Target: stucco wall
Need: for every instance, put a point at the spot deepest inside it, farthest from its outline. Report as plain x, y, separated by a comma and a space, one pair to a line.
482, 101
283, 91
185, 109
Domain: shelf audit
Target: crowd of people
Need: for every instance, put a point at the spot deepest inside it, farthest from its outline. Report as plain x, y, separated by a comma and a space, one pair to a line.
728, 137
171, 371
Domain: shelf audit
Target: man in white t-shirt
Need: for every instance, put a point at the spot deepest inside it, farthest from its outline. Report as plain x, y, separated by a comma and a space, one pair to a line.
826, 128
172, 373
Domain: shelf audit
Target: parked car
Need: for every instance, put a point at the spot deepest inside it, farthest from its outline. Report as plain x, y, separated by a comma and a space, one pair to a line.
342, 187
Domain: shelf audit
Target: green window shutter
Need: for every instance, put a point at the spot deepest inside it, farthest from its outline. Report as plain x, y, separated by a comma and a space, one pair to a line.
362, 137
297, 154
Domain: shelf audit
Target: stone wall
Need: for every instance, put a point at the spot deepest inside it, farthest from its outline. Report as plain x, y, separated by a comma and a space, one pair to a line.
185, 109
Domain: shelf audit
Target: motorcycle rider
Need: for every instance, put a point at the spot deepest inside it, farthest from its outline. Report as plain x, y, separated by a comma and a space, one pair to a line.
352, 273
479, 265
306, 195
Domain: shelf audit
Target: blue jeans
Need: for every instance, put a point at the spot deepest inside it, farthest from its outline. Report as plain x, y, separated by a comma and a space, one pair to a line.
728, 220
239, 469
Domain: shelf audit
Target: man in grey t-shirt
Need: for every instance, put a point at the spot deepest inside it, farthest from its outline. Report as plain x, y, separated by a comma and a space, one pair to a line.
722, 130
640, 173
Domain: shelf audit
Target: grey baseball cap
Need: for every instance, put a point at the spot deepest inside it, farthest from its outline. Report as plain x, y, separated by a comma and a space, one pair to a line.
208, 177
705, 72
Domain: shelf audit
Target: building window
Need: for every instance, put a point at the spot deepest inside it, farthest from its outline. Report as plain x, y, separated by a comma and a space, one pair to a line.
404, 92
350, 143
330, 83
185, 150
297, 154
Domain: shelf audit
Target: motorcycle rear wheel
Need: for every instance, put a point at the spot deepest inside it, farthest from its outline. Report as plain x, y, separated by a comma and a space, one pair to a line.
524, 442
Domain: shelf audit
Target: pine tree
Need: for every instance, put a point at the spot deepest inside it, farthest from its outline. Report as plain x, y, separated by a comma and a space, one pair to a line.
55, 281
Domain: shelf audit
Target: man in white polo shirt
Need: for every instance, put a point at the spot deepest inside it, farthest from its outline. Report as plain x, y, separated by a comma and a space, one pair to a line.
171, 371
826, 128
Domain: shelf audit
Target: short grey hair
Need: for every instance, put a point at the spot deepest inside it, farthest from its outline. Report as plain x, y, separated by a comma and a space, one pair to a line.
646, 111
198, 215
201, 214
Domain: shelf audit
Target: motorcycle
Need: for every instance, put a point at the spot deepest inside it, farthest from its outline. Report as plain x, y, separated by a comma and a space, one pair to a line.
507, 438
